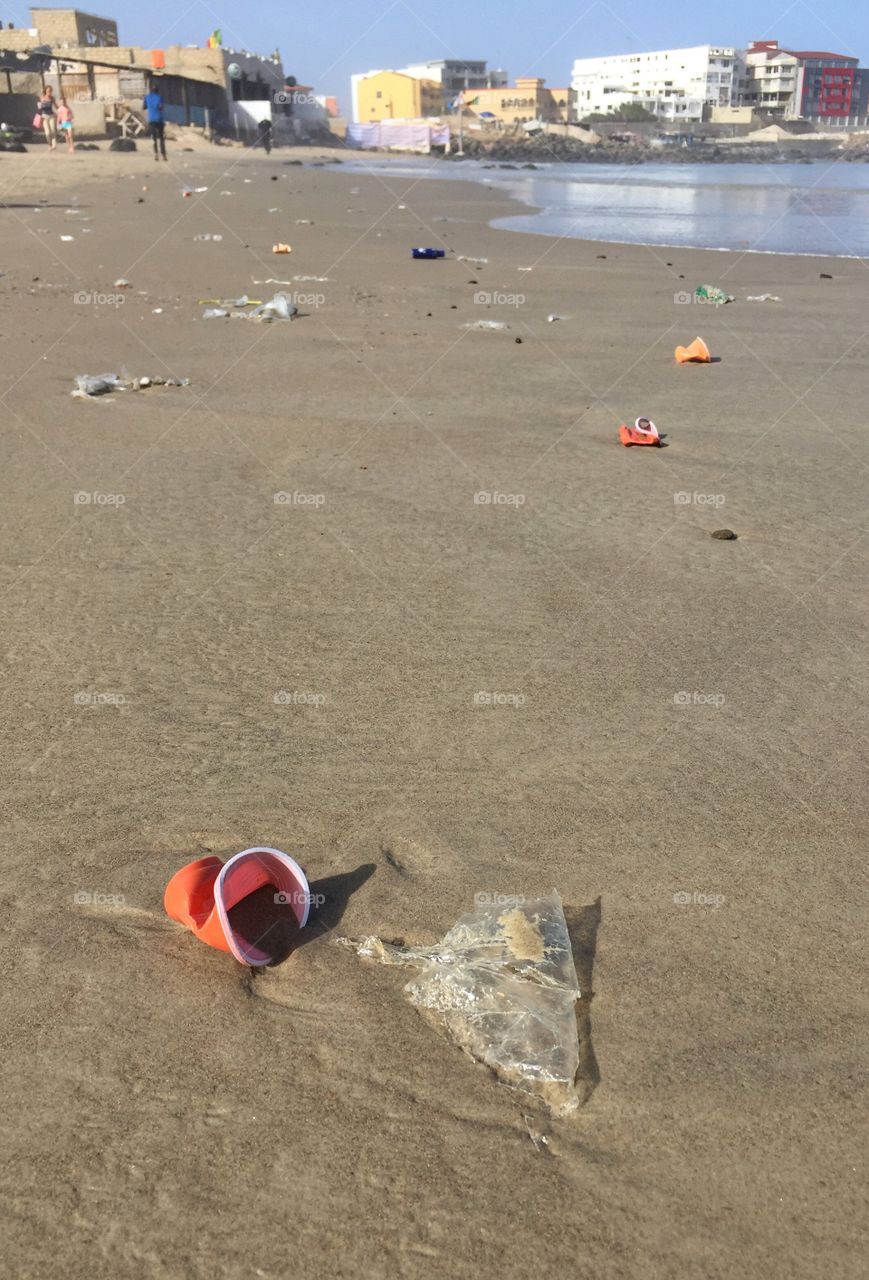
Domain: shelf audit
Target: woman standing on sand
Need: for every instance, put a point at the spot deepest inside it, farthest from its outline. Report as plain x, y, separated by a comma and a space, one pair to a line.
64, 123
45, 108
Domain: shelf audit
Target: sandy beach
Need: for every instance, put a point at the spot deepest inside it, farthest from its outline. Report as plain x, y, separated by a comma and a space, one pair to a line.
670, 733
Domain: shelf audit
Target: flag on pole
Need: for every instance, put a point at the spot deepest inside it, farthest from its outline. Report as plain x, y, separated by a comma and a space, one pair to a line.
215, 40
457, 101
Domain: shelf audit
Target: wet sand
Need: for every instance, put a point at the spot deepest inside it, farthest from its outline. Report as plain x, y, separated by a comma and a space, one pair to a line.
669, 731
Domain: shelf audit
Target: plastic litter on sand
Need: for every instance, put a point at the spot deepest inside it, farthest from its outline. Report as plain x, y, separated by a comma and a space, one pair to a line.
485, 324
502, 985
88, 384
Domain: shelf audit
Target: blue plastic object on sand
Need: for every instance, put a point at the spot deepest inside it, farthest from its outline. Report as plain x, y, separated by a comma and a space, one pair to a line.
429, 253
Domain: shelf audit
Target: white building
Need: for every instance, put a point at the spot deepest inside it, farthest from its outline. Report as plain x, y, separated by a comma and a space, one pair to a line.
675, 84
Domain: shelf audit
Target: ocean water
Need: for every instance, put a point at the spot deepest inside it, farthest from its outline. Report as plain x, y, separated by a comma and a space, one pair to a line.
816, 208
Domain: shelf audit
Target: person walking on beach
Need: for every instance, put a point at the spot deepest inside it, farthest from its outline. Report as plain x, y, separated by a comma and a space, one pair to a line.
64, 123
45, 109
153, 104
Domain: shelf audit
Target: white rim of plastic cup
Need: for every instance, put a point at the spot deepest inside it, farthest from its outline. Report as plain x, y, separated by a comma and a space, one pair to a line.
289, 863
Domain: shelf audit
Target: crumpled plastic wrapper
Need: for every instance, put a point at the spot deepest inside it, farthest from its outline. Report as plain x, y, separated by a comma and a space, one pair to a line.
503, 985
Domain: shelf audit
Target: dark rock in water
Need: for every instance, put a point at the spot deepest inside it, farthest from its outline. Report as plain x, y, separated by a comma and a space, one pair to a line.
726, 535
530, 166
507, 166
122, 144
292, 162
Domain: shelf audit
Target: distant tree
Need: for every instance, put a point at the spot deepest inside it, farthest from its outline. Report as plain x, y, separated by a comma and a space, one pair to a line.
630, 111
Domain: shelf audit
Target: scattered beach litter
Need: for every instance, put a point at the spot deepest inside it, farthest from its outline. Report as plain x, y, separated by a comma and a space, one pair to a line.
428, 253
122, 283
476, 262
711, 293
553, 318
243, 301
762, 297
502, 985
277, 308
281, 248
643, 431
485, 324
697, 352
304, 222
100, 384
67, 237
201, 895
524, 268
208, 236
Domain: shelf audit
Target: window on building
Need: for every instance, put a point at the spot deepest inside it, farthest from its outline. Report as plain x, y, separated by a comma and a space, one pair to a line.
379, 94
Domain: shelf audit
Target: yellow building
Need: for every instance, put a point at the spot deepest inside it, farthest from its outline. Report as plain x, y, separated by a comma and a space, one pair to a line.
391, 95
528, 99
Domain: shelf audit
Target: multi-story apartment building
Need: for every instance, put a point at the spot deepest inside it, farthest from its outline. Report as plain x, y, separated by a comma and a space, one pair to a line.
808, 84
453, 75
672, 83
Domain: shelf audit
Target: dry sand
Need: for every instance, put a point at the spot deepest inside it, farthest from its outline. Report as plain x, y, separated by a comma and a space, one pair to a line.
170, 1114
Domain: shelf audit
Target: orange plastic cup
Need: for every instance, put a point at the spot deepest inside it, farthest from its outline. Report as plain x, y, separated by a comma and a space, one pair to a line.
201, 895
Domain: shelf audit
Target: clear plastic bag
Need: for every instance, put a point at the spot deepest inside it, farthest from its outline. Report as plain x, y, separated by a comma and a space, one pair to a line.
503, 985
89, 384
278, 308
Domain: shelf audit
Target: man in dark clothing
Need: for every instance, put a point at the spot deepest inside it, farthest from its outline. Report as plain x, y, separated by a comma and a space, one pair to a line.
153, 104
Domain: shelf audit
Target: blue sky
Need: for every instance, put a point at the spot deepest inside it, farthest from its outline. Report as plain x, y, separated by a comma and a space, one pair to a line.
323, 43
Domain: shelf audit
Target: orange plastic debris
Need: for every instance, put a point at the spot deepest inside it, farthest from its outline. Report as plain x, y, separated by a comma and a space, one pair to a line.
697, 352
